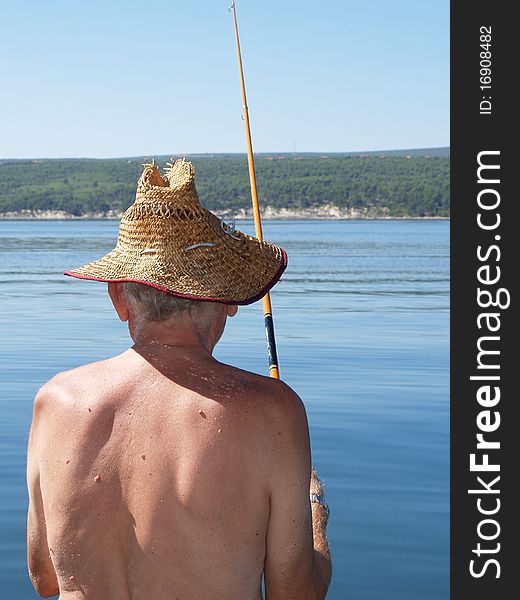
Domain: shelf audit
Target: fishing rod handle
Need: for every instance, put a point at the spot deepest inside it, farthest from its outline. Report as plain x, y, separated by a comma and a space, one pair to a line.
270, 338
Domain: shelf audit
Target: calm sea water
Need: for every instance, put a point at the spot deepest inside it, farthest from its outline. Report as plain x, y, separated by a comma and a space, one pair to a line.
361, 317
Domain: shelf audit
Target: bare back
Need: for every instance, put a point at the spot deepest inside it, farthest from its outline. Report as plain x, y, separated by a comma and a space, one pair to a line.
154, 479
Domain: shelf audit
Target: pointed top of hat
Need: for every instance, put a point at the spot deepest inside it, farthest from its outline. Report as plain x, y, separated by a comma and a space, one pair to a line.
180, 174
176, 186
150, 176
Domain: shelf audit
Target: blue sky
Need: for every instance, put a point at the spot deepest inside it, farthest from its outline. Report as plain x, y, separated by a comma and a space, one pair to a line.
114, 78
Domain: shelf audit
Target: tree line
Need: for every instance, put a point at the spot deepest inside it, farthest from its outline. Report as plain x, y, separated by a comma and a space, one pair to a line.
415, 186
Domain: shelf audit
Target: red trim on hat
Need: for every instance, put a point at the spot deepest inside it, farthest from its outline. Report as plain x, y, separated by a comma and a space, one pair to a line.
254, 298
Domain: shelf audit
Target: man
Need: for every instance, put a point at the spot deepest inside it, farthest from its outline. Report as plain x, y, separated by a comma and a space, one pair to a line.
162, 473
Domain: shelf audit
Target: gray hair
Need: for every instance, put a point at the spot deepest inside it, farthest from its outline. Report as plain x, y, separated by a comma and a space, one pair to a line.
155, 305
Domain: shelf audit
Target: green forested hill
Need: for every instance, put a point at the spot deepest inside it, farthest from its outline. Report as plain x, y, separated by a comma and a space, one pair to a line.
386, 183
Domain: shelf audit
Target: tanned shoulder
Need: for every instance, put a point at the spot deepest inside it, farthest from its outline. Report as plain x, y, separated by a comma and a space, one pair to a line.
63, 387
282, 408
283, 400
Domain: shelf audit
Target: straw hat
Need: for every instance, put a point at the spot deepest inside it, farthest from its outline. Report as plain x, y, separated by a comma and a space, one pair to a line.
169, 241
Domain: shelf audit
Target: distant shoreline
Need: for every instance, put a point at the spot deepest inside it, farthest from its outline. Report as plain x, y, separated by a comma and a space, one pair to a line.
323, 213
330, 187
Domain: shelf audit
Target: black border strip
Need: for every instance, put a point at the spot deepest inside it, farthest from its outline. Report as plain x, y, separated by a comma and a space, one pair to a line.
483, 128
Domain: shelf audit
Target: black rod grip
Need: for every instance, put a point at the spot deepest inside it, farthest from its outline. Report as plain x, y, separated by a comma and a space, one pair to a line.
271, 343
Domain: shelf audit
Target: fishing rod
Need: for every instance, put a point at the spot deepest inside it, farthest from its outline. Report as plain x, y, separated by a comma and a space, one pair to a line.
266, 300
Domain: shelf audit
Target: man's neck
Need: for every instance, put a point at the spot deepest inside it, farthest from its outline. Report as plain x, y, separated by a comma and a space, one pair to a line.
168, 336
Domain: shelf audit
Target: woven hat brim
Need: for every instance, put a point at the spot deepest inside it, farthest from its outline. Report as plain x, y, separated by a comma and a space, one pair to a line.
116, 266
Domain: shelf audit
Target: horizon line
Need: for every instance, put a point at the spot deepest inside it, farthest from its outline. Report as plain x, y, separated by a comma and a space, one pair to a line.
268, 153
